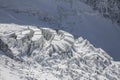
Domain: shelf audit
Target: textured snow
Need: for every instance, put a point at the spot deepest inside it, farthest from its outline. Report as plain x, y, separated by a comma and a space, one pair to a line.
69, 15
30, 51
54, 55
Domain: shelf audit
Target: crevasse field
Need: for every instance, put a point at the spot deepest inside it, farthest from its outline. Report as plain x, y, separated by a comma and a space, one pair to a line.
55, 39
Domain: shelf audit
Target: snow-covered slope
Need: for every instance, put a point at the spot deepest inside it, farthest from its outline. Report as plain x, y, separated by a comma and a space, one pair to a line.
31, 53
69, 15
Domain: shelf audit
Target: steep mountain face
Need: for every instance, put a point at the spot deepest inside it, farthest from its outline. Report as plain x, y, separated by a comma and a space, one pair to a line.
31, 53
108, 8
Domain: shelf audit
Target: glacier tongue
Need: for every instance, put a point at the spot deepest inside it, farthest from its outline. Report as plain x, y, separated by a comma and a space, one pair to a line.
31, 53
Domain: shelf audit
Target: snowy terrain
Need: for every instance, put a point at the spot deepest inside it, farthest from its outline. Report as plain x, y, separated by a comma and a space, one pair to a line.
31, 53
49, 40
72, 16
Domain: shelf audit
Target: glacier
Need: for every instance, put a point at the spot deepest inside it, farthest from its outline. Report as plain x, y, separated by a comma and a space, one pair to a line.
69, 15
32, 53
58, 40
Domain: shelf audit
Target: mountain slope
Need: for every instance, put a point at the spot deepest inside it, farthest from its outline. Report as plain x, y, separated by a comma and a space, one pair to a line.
108, 8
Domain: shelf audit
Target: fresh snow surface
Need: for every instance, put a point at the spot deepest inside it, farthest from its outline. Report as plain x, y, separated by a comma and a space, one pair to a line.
70, 15
47, 54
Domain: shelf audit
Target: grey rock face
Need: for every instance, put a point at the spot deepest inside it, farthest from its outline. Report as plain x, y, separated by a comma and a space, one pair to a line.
108, 8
